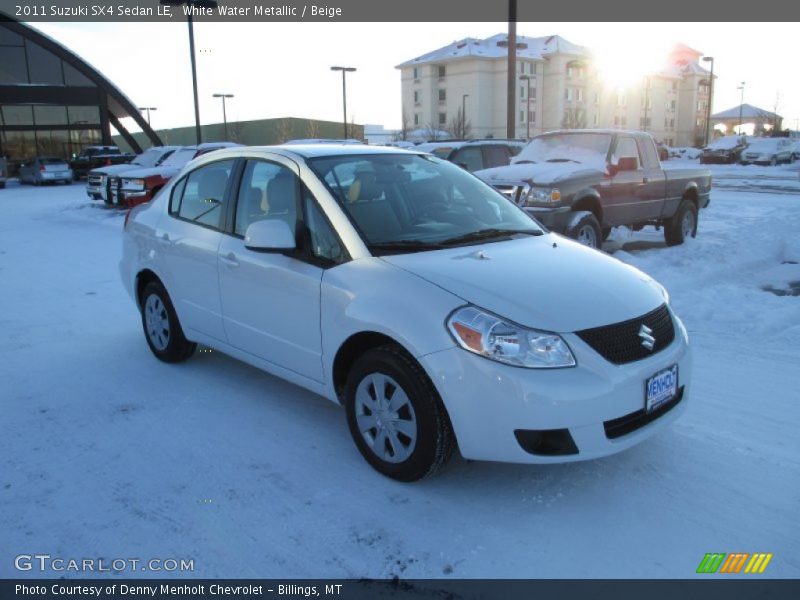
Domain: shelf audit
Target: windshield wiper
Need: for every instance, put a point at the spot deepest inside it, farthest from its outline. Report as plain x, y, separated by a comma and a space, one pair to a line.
563, 160
487, 234
525, 162
404, 245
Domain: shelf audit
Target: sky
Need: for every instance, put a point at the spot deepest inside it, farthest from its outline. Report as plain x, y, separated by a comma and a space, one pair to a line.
283, 70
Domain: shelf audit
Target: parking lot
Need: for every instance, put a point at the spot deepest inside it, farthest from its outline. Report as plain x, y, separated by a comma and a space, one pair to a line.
107, 452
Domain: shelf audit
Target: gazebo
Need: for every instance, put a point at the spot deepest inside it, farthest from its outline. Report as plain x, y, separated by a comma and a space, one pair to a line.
747, 114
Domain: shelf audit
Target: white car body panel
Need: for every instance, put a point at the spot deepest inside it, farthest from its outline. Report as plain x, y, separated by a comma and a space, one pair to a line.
290, 318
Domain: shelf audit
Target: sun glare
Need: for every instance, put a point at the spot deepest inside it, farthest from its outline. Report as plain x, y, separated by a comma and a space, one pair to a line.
623, 65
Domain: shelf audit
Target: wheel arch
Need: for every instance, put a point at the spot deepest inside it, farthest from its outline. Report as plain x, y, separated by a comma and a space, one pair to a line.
589, 201
144, 277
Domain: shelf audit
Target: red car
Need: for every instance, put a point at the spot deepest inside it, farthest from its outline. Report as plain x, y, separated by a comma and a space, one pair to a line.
138, 186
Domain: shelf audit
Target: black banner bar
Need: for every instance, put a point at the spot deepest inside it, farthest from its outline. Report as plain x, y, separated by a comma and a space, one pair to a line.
403, 11
713, 586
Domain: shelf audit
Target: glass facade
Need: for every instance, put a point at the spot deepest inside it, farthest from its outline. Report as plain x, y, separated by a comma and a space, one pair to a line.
47, 105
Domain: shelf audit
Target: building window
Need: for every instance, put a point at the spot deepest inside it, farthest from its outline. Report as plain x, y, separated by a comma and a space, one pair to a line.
568, 94
595, 120
522, 92
442, 71
442, 96
532, 116
699, 122
621, 100
416, 72
672, 123
644, 122
596, 98
579, 95
416, 118
442, 118
522, 116
416, 97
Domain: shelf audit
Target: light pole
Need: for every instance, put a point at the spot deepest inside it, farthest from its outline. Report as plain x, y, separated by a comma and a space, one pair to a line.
741, 105
344, 71
147, 110
201, 5
464, 115
224, 113
527, 107
710, 96
646, 101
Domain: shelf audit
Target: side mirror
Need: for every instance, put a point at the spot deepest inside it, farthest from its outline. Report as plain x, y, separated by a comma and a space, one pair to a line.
269, 235
628, 163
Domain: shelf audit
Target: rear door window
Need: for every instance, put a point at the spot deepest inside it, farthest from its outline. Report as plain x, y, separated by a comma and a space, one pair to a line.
469, 157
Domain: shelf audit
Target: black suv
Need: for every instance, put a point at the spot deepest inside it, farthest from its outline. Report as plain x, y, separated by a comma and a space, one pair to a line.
474, 155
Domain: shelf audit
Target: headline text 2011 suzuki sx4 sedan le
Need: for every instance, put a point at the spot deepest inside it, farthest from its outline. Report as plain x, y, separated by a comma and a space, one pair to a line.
435, 310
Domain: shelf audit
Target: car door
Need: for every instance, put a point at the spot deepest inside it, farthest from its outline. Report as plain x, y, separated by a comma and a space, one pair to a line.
271, 300
189, 239
652, 190
625, 205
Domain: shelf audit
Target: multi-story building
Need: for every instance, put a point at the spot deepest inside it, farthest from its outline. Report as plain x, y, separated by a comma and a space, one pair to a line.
558, 86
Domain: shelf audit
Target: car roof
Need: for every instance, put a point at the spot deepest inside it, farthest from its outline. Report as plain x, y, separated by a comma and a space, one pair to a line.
320, 150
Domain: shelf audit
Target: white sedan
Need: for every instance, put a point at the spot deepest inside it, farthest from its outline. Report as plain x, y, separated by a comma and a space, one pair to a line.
395, 283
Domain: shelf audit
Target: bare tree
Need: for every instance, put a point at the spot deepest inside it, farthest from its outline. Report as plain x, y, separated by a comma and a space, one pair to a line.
312, 130
403, 133
431, 133
574, 118
283, 131
460, 126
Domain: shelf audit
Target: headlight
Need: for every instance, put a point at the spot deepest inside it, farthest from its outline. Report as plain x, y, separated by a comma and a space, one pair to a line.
542, 195
492, 337
136, 185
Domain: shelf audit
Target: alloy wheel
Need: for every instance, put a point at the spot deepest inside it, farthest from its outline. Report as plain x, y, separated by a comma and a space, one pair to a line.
687, 224
587, 236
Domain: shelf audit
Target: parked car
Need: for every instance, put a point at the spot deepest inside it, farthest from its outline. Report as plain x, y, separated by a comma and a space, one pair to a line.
768, 151
323, 141
137, 186
92, 157
584, 182
97, 187
724, 150
522, 346
474, 155
3, 172
45, 169
663, 151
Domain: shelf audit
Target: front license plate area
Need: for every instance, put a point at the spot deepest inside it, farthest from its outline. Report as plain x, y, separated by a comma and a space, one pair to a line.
660, 388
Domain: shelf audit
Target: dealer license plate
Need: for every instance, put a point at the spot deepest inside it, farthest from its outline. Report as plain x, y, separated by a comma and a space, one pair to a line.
661, 388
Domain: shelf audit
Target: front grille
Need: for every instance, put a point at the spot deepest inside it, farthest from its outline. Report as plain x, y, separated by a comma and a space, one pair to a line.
617, 428
621, 343
95, 180
515, 193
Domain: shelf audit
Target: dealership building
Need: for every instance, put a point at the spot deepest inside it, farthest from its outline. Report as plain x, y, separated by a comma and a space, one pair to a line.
54, 103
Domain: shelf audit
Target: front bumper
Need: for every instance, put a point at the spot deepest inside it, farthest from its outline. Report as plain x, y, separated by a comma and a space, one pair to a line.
597, 402
129, 198
555, 219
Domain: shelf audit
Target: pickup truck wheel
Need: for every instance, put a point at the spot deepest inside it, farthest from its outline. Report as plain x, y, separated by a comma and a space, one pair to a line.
586, 231
395, 415
682, 225
162, 330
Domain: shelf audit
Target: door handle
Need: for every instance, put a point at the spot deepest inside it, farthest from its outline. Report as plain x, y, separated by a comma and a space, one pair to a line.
230, 260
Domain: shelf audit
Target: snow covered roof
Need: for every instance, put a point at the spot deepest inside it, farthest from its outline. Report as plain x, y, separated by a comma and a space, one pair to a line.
496, 46
748, 112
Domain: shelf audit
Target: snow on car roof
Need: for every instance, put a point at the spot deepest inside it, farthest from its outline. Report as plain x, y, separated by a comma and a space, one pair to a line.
727, 142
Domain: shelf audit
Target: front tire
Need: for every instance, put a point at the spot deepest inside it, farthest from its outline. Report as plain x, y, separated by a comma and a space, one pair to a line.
682, 225
587, 231
395, 415
162, 330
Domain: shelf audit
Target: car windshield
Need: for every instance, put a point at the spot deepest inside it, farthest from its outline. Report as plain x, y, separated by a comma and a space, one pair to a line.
585, 148
148, 158
180, 157
411, 202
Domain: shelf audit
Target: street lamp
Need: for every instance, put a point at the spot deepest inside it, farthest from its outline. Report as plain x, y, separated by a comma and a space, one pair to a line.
527, 107
224, 114
710, 96
646, 101
147, 109
199, 4
344, 71
741, 105
464, 115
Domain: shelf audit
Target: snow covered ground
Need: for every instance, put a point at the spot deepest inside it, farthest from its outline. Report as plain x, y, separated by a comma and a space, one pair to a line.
106, 452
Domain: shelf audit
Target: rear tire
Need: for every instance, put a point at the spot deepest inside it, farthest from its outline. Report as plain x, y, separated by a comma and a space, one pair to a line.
395, 415
682, 224
587, 231
162, 330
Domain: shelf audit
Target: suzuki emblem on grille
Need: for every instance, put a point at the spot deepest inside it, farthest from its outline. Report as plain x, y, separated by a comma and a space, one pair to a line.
648, 341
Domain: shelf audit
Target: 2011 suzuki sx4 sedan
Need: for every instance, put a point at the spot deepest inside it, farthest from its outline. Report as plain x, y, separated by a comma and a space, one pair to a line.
439, 313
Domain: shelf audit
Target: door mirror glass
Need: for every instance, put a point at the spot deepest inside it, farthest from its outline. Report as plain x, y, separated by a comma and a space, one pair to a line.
269, 235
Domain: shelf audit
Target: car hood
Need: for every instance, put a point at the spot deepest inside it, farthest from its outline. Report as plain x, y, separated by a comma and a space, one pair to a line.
145, 172
114, 169
538, 173
546, 282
